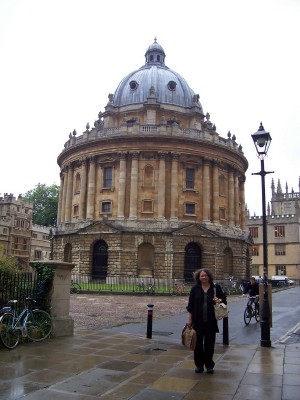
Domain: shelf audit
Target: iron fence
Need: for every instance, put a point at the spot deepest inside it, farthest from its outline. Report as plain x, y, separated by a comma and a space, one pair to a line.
20, 285
143, 285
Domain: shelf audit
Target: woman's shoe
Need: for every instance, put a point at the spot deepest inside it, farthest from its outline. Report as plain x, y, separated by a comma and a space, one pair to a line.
210, 370
199, 370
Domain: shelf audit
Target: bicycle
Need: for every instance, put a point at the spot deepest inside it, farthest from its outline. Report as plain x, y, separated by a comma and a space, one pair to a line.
150, 289
251, 310
75, 287
178, 289
33, 323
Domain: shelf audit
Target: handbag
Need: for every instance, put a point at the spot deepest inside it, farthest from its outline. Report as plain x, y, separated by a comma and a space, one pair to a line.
189, 337
221, 310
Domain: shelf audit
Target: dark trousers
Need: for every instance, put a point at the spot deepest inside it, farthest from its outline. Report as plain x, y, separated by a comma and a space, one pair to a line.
204, 351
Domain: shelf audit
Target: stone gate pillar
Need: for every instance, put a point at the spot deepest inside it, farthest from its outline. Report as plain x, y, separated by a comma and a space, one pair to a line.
63, 324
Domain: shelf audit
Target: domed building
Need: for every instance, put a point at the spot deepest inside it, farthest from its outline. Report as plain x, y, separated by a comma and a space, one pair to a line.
152, 190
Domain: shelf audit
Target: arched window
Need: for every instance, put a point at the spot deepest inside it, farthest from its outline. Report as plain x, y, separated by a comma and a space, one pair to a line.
146, 260
68, 253
192, 260
222, 185
228, 262
100, 260
148, 176
77, 183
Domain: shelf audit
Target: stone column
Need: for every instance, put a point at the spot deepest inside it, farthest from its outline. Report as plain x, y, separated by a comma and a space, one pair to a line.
134, 186
174, 187
161, 200
206, 191
122, 187
91, 189
60, 198
82, 198
64, 193
231, 217
243, 210
216, 195
236, 200
69, 197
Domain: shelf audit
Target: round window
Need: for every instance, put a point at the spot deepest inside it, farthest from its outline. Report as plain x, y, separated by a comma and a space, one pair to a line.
172, 85
133, 85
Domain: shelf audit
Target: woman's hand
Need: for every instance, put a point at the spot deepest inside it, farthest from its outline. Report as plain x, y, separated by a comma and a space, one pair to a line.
217, 300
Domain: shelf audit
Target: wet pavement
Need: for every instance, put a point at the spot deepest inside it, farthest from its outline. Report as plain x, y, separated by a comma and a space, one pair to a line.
111, 365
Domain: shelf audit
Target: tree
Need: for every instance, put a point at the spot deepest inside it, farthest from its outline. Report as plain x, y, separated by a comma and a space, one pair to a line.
45, 203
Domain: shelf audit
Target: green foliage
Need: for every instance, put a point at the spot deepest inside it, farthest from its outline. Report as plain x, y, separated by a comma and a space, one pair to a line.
9, 264
45, 203
44, 271
45, 276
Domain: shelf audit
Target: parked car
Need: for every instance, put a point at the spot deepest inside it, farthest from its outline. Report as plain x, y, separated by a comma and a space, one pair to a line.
281, 280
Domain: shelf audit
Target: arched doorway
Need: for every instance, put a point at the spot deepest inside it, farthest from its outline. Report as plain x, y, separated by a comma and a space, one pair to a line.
228, 263
68, 253
192, 260
146, 260
100, 260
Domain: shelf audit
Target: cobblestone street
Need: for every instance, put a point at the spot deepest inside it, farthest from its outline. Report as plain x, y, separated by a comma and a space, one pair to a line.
104, 311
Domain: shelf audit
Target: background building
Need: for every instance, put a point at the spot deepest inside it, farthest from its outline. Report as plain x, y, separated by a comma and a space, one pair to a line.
283, 235
152, 190
18, 236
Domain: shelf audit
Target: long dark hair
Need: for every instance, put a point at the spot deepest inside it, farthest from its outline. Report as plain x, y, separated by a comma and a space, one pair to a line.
208, 273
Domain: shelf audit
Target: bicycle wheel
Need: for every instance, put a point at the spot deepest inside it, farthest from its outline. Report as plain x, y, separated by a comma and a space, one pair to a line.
247, 316
9, 336
38, 325
256, 314
75, 288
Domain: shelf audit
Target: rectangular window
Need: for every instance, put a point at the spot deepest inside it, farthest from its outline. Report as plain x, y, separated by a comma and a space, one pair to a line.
255, 270
37, 255
107, 177
279, 249
106, 207
255, 250
280, 269
189, 178
254, 231
147, 206
190, 208
222, 214
34, 235
76, 210
279, 231
45, 237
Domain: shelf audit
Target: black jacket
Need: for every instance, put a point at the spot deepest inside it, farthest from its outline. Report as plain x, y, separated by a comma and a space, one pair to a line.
195, 306
252, 289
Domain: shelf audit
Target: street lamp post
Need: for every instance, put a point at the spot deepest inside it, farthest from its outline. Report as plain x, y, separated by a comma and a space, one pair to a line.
262, 141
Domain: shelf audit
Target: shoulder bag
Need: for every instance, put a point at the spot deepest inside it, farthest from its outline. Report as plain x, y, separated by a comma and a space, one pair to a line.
221, 310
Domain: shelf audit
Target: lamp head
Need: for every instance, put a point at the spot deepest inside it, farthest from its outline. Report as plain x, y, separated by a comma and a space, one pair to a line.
262, 141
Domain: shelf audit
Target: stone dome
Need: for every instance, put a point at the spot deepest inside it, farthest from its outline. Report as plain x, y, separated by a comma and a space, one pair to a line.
170, 87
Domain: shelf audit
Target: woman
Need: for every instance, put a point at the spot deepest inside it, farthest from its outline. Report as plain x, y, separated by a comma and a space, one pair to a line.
202, 317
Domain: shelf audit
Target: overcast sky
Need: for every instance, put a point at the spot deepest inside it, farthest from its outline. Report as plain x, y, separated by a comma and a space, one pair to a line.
61, 58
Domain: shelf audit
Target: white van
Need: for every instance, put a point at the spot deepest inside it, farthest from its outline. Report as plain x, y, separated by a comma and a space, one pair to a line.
281, 280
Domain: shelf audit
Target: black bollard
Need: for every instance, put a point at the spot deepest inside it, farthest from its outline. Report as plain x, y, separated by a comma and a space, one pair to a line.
225, 331
149, 321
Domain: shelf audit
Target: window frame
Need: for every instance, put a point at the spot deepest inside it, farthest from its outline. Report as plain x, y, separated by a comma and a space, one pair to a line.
189, 184
188, 204
103, 203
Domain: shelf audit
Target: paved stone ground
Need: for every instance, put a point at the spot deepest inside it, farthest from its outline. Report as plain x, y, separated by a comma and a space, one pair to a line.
109, 310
